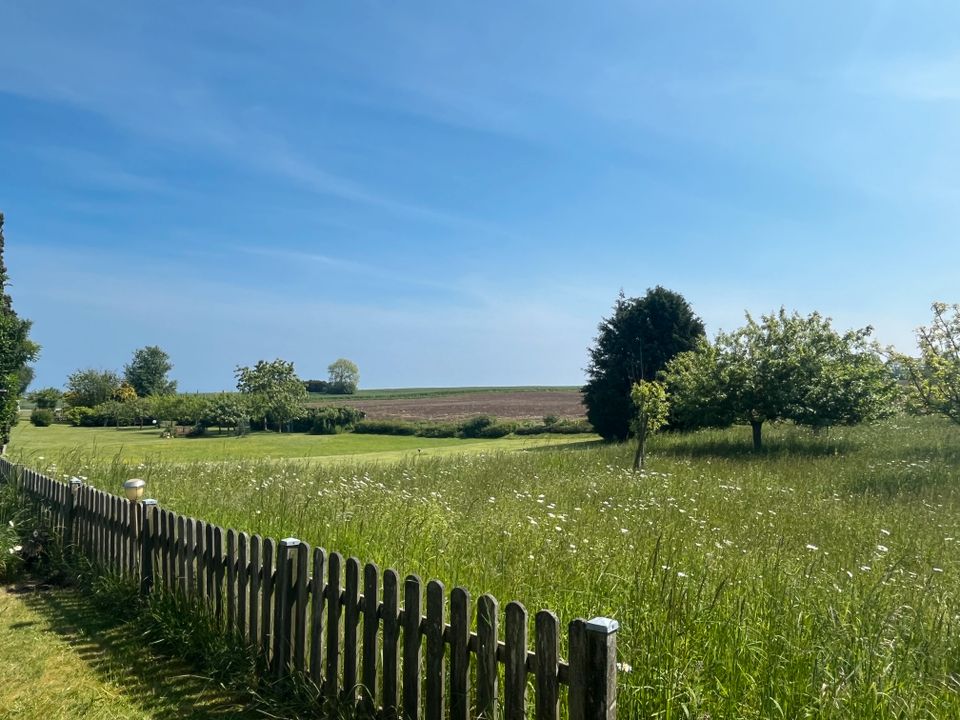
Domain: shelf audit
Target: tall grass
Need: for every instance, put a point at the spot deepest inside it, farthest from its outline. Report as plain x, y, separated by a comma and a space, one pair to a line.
820, 578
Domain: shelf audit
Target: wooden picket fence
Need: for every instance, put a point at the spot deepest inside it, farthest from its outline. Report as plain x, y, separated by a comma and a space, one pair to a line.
340, 623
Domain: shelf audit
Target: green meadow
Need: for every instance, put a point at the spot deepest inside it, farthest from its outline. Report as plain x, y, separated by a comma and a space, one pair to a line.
819, 578
31, 445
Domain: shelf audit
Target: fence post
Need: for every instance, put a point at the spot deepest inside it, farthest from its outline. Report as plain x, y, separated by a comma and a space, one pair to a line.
68, 521
601, 686
282, 606
148, 527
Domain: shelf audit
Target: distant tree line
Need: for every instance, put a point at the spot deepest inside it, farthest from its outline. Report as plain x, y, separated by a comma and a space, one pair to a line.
269, 394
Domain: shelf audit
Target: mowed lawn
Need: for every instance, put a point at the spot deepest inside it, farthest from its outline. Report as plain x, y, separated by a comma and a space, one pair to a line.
63, 658
32, 445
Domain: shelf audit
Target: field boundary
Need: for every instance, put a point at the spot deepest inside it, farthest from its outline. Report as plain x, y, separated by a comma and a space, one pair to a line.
339, 623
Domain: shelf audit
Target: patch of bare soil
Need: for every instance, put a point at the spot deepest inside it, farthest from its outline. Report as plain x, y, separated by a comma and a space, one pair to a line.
515, 405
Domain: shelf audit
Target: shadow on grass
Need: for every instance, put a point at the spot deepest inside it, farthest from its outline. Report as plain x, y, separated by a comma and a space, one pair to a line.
772, 449
164, 686
560, 447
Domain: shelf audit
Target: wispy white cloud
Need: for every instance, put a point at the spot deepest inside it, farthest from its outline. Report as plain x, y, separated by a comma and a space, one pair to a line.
98, 170
308, 257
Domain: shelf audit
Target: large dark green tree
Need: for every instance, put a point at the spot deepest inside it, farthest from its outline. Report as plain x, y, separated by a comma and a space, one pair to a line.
633, 344
16, 350
147, 372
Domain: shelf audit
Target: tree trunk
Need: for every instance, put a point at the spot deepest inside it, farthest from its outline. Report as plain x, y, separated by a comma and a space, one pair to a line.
641, 455
757, 437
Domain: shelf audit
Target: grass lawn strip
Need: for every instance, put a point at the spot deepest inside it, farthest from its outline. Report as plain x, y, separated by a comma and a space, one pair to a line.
30, 443
62, 658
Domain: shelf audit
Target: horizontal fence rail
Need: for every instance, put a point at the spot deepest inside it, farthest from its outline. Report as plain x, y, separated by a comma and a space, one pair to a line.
388, 646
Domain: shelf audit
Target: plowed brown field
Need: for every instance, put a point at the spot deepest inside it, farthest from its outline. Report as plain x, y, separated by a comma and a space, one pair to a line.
502, 404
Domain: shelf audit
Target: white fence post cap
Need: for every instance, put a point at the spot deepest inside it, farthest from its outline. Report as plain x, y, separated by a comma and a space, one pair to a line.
290, 542
606, 626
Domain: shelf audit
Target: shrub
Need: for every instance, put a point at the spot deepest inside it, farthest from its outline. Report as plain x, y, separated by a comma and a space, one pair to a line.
474, 426
331, 420
46, 399
316, 386
80, 416
41, 417
437, 430
549, 420
327, 420
531, 430
12, 513
385, 427
497, 430
571, 427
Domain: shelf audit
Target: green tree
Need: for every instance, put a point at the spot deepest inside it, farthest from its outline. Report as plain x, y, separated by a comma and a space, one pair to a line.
344, 377
125, 393
634, 344
45, 398
227, 410
16, 350
697, 389
652, 409
25, 377
784, 367
147, 372
91, 387
935, 375
274, 391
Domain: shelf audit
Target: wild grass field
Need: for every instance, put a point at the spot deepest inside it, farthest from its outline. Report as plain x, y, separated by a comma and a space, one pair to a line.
820, 578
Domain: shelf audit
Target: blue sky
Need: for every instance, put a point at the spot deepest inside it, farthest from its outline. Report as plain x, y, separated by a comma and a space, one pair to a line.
453, 193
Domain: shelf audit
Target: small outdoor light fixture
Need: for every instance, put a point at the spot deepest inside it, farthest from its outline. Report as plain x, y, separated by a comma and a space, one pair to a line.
133, 489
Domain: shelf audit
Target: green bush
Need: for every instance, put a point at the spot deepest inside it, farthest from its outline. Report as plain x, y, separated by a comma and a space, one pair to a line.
561, 427
474, 426
81, 416
12, 514
571, 427
531, 430
331, 420
497, 430
46, 399
385, 427
437, 430
41, 417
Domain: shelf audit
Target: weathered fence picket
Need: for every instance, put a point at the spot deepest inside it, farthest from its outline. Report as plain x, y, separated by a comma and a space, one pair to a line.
340, 623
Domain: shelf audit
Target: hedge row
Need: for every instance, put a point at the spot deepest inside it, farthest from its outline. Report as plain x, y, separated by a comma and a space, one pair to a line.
482, 426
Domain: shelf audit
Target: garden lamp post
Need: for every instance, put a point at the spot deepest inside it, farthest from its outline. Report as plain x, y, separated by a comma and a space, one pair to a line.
133, 489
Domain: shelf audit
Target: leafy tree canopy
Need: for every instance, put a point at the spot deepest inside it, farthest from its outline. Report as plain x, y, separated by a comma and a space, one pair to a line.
16, 350
935, 375
25, 377
344, 377
90, 387
45, 398
652, 406
633, 344
147, 372
784, 367
274, 390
